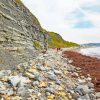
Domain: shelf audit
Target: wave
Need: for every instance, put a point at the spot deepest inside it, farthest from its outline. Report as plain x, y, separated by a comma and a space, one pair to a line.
93, 52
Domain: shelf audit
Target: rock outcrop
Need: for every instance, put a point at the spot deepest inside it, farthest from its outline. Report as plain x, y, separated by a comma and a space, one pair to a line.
21, 35
19, 30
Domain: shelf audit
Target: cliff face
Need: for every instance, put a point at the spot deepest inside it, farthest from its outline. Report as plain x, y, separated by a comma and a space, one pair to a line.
18, 27
21, 34
19, 30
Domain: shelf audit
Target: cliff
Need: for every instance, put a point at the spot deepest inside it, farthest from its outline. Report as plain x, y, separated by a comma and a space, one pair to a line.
21, 34
19, 29
17, 25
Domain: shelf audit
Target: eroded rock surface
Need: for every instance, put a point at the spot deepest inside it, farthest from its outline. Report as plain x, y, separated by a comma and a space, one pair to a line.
19, 30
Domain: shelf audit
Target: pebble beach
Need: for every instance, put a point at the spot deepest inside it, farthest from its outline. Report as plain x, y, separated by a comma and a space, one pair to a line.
49, 76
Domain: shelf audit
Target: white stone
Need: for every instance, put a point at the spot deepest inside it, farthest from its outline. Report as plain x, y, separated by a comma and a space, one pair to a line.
15, 80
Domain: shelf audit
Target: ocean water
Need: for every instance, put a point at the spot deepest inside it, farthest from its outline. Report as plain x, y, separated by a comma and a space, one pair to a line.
93, 52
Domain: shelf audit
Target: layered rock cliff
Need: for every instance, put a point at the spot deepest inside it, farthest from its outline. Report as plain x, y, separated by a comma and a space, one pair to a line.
19, 29
17, 25
21, 34
58, 41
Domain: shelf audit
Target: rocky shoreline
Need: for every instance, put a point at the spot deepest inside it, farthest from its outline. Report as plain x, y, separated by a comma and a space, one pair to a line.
88, 65
48, 76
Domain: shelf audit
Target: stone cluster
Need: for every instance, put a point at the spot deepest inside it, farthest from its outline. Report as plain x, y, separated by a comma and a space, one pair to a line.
47, 77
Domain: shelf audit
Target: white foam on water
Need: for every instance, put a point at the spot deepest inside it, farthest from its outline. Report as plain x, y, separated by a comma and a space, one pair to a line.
93, 52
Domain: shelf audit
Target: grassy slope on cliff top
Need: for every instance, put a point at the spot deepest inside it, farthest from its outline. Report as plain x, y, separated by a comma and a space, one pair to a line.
57, 41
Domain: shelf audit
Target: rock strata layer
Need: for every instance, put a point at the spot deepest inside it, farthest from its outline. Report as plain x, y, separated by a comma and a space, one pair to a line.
19, 30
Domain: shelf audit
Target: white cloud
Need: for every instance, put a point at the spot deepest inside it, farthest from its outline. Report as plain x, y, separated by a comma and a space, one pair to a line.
57, 16
82, 36
90, 11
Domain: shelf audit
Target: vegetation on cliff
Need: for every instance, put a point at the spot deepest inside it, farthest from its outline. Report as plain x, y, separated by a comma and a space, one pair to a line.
54, 39
37, 45
58, 41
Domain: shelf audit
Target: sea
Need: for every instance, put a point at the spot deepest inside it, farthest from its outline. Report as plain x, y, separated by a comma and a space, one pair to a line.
93, 52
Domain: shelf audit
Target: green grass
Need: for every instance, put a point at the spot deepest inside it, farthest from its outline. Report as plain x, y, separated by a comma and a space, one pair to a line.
57, 41
37, 45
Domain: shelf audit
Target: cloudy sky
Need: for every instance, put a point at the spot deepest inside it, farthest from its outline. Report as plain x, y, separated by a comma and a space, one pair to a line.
74, 20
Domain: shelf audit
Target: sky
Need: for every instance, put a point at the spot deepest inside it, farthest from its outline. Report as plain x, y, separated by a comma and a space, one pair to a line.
75, 20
